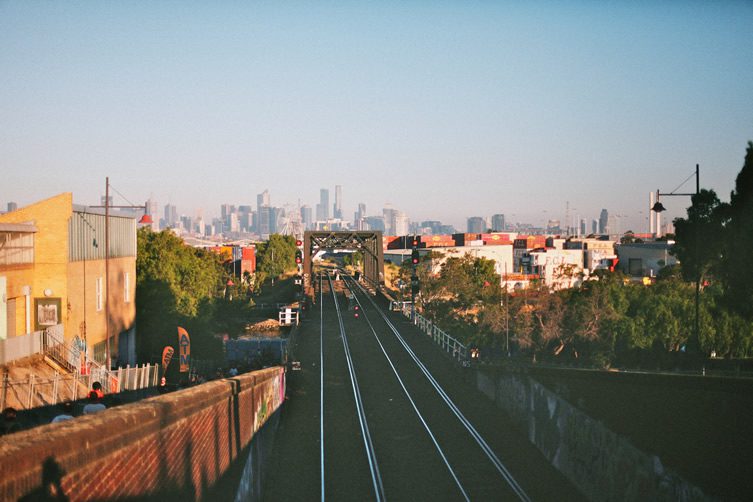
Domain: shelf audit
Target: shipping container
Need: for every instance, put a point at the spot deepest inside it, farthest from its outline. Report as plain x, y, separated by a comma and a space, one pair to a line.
429, 241
461, 239
496, 239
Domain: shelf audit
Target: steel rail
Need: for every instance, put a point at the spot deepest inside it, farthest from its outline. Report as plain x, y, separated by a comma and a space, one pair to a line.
504, 472
410, 398
376, 476
321, 383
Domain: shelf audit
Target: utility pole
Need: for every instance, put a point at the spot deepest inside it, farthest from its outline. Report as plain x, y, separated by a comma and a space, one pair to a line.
414, 284
507, 315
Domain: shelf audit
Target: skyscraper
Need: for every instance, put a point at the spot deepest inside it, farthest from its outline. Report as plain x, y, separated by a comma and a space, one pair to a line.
361, 212
245, 218
498, 223
152, 209
389, 220
306, 217
604, 222
171, 216
476, 225
262, 220
401, 223
338, 209
322, 209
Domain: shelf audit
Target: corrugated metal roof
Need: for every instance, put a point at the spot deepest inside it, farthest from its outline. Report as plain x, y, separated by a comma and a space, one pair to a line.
18, 227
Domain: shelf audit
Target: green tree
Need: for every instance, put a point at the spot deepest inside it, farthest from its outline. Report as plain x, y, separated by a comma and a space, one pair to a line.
276, 256
699, 236
737, 268
175, 285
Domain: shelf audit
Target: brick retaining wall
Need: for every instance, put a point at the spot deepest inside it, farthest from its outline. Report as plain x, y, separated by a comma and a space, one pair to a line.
178, 444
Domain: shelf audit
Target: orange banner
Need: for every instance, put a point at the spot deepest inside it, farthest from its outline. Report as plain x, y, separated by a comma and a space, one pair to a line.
184, 344
167, 356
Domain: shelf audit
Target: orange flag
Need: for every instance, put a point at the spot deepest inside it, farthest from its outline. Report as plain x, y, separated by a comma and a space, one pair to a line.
167, 356
184, 344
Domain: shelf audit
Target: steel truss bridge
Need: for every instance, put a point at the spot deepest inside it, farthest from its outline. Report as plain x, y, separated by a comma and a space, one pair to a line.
369, 243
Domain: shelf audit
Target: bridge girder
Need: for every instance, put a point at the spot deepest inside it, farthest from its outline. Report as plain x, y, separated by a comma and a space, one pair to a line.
368, 242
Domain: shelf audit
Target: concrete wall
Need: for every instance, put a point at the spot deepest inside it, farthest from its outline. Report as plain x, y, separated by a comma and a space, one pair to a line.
600, 463
176, 446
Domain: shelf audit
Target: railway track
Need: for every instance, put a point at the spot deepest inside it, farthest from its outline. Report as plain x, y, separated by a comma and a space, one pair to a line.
383, 421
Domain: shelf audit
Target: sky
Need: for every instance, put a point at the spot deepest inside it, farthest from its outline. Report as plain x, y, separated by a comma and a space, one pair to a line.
443, 109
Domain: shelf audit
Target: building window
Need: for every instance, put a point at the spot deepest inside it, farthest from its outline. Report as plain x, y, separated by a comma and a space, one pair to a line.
99, 293
127, 287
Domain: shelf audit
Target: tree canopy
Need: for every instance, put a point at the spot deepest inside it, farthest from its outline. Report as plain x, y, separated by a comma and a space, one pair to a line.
176, 285
609, 319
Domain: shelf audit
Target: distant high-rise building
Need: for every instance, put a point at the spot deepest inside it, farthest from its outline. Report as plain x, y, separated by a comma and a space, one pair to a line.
226, 210
583, 226
388, 214
431, 227
263, 218
276, 215
553, 227
307, 217
262, 201
401, 223
361, 212
322, 209
498, 223
245, 218
338, 208
476, 225
185, 222
12, 206
171, 216
152, 209
594, 227
375, 223
613, 225
604, 222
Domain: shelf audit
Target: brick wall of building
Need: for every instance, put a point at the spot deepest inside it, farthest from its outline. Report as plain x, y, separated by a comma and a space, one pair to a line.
50, 216
177, 445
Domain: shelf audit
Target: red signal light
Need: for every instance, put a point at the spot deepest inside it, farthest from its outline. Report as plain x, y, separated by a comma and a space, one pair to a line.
298, 243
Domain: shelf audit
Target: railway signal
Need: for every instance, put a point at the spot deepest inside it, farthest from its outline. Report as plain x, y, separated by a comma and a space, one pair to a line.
414, 257
299, 251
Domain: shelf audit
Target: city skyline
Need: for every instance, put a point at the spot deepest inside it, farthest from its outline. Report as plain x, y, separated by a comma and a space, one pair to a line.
449, 111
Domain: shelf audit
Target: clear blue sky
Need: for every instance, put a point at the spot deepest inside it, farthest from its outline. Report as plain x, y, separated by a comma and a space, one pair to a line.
445, 109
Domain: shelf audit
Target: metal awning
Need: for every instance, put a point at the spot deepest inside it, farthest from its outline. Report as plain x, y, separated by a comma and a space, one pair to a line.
26, 228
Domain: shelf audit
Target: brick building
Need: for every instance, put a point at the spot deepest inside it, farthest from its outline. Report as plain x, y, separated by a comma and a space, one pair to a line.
53, 272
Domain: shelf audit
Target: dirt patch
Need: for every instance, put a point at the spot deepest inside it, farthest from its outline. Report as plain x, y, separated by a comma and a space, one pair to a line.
265, 325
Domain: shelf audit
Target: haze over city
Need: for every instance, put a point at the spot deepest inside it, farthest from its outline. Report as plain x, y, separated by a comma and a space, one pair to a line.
445, 110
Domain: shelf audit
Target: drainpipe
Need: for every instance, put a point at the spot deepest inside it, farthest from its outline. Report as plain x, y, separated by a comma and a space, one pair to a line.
26, 290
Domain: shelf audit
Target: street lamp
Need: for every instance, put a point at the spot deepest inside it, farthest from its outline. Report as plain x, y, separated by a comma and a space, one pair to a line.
658, 208
145, 219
